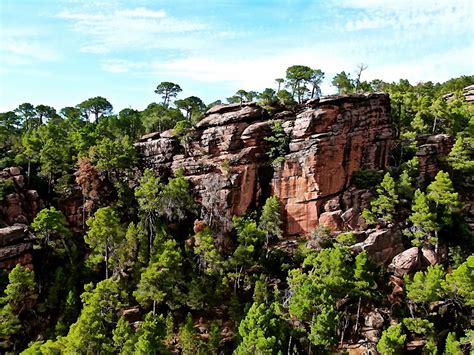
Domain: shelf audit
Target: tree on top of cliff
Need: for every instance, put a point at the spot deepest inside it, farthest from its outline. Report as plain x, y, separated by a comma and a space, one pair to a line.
167, 90
97, 106
192, 105
343, 82
298, 76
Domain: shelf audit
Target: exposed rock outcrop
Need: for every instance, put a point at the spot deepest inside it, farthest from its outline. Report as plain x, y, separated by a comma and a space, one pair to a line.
225, 157
430, 152
15, 246
19, 204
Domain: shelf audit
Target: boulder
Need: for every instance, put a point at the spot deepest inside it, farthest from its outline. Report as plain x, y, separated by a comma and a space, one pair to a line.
405, 262
331, 220
332, 205
9, 235
430, 257
381, 245
14, 171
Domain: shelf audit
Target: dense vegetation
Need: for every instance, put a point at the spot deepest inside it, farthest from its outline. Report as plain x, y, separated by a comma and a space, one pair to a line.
138, 248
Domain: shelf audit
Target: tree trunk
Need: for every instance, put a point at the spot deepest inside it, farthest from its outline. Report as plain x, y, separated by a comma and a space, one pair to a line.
106, 262
28, 174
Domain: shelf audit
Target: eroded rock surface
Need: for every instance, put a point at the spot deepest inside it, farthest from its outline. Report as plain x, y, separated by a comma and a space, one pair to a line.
225, 158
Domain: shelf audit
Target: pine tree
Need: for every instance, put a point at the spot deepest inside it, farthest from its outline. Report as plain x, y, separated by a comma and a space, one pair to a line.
270, 220
151, 336
383, 207
423, 220
104, 235
442, 194
20, 293
392, 340
123, 337
459, 284
426, 286
187, 337
324, 326
163, 279
261, 331
461, 156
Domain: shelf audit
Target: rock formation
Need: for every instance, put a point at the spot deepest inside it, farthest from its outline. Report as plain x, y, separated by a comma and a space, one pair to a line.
17, 208
226, 160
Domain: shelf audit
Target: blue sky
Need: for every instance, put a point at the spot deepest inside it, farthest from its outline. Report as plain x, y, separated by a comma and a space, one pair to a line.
62, 52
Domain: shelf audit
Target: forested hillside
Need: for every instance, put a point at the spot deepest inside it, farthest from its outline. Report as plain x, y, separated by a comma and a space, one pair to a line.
123, 232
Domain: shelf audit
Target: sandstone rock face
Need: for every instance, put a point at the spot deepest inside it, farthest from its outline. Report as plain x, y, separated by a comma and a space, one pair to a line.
330, 141
19, 205
15, 247
429, 152
225, 157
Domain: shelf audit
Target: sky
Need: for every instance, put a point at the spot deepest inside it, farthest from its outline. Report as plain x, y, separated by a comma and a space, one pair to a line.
61, 52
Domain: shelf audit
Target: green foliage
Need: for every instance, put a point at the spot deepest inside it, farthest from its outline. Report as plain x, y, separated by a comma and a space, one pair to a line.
193, 106
271, 220
461, 156
459, 284
92, 332
392, 340
452, 345
343, 83
104, 236
261, 331
383, 207
214, 341
114, 156
278, 141
123, 337
20, 293
163, 280
97, 106
167, 90
209, 259
175, 200
423, 220
425, 286
366, 179
442, 194
51, 228
346, 239
324, 326
187, 337
151, 335
249, 239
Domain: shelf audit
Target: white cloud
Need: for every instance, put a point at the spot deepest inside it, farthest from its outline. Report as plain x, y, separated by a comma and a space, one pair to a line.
108, 30
117, 66
435, 16
21, 47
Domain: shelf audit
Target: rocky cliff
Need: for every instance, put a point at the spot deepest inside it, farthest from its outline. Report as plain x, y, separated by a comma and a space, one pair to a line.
18, 207
226, 159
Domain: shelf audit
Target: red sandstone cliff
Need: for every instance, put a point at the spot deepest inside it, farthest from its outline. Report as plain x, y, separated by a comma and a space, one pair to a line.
226, 161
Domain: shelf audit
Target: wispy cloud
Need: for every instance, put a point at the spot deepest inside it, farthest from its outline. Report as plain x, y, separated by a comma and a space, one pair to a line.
24, 47
109, 30
117, 66
429, 15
